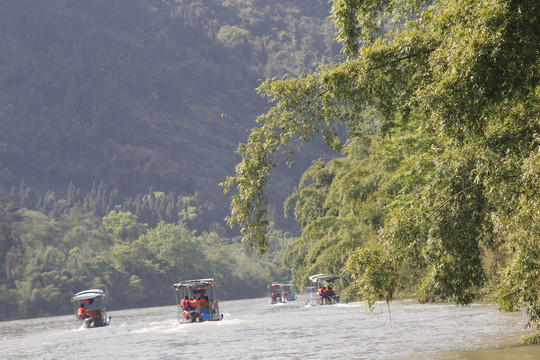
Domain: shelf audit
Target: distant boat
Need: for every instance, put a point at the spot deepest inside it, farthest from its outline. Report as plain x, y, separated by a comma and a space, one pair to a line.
281, 293
89, 309
322, 292
193, 302
289, 292
275, 293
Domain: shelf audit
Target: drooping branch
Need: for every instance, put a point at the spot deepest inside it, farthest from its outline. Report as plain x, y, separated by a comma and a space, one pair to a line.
294, 118
518, 290
451, 198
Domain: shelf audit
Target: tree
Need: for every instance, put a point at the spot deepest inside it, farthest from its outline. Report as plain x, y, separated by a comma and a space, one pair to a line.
232, 36
464, 74
177, 248
8, 245
123, 225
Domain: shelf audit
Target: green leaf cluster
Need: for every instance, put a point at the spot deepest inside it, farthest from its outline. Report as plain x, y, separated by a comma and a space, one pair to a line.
460, 79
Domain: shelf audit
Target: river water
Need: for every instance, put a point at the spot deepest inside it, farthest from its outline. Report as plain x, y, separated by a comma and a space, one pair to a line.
254, 329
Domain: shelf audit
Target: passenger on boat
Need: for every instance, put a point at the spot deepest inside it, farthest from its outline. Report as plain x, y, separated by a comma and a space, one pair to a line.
274, 297
327, 293
203, 302
189, 308
323, 295
331, 293
327, 297
213, 305
184, 303
81, 313
320, 292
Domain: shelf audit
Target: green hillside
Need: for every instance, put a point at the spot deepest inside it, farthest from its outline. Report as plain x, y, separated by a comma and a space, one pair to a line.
136, 94
118, 121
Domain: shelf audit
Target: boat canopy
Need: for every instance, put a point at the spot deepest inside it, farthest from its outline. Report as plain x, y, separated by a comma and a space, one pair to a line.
197, 284
275, 285
326, 277
88, 294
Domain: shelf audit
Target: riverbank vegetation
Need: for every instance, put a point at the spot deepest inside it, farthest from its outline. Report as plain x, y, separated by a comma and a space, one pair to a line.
436, 112
118, 120
48, 259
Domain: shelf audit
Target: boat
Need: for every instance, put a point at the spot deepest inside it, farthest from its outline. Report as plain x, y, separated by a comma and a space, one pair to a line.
322, 292
275, 293
289, 292
89, 308
193, 302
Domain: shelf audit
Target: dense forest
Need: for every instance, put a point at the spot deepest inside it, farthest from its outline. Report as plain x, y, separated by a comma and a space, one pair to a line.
437, 187
143, 94
46, 260
118, 120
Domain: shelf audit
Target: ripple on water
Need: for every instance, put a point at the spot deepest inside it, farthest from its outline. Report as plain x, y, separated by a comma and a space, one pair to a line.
252, 329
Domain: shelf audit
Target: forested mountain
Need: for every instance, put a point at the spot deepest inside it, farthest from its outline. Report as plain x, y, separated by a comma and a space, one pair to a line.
118, 121
140, 94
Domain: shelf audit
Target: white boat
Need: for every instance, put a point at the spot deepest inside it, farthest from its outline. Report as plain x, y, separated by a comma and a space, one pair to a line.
194, 303
89, 308
281, 293
275, 293
322, 292
289, 292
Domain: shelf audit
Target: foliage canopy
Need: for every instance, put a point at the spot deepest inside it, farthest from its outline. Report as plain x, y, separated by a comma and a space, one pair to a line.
44, 261
459, 76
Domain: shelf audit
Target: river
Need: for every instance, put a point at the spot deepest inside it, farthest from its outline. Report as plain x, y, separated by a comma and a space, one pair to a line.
254, 329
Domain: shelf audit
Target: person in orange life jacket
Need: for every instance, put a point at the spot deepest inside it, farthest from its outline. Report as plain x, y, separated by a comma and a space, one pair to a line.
81, 313
194, 309
325, 292
326, 295
203, 302
330, 292
189, 308
184, 303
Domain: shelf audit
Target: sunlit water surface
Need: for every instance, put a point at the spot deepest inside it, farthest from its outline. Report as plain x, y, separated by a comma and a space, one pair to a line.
253, 329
